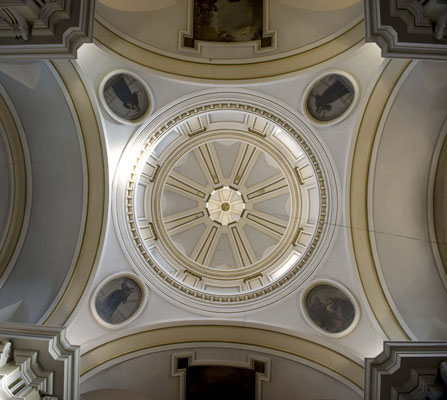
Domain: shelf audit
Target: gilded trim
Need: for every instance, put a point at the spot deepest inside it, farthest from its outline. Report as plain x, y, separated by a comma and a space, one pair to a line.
264, 338
19, 198
247, 71
369, 278
96, 195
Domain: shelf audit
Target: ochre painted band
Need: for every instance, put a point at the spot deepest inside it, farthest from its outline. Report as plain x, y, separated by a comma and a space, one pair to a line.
96, 200
264, 338
221, 72
359, 194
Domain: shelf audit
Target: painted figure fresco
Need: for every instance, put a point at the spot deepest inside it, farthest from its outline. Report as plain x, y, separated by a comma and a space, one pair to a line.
330, 97
228, 20
330, 308
118, 300
126, 97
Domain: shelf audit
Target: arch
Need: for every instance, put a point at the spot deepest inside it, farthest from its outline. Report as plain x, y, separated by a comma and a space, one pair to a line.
322, 357
229, 72
96, 195
20, 196
360, 168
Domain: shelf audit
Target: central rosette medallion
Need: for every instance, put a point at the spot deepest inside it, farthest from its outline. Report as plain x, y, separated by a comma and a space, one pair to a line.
225, 205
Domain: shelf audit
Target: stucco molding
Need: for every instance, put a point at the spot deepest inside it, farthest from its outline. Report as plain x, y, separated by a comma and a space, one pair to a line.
46, 31
50, 348
403, 28
404, 370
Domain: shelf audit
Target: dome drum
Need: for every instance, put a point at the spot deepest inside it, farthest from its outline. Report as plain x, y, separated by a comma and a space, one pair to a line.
225, 203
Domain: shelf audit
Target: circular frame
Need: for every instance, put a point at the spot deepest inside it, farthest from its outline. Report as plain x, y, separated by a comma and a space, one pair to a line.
110, 111
137, 312
345, 291
311, 85
278, 252
201, 102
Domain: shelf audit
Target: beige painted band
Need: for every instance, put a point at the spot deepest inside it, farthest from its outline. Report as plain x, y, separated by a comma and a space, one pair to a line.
256, 70
440, 204
96, 194
273, 340
19, 191
358, 199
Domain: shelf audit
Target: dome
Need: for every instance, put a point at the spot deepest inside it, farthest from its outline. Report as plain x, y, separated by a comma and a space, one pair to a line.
225, 202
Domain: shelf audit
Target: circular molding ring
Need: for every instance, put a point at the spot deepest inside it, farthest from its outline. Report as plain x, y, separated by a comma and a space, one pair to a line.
342, 116
289, 175
127, 178
343, 290
137, 312
110, 111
